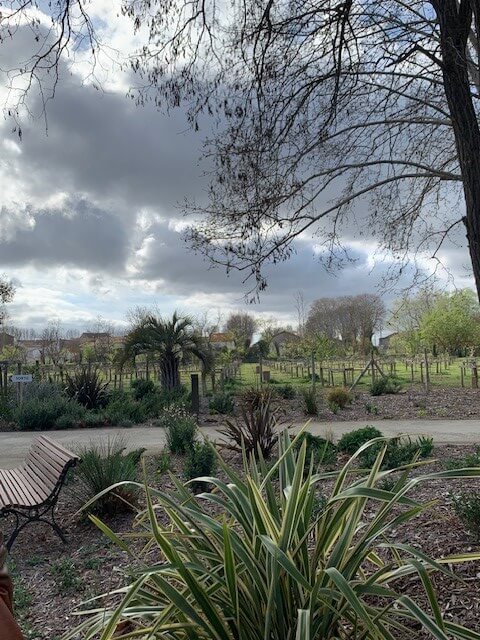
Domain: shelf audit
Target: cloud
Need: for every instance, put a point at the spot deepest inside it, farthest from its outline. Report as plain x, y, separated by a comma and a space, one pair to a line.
89, 221
79, 235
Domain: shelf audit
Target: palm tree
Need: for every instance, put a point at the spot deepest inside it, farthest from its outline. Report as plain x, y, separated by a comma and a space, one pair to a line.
167, 341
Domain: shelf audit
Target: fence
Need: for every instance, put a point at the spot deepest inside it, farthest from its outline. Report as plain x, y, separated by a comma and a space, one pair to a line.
117, 379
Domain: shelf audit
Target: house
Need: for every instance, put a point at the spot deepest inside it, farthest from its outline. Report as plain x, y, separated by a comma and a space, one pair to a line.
33, 350
283, 338
94, 338
224, 340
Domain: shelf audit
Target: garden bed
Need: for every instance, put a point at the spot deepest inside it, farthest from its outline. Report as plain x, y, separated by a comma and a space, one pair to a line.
52, 579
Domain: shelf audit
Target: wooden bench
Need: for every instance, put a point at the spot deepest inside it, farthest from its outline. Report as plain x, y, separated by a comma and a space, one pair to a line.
30, 492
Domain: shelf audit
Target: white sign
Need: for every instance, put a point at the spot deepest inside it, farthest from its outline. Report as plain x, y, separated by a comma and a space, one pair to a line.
26, 377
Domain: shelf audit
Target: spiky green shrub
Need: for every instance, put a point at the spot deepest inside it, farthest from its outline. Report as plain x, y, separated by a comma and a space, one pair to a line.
339, 397
103, 464
255, 429
86, 387
353, 440
249, 561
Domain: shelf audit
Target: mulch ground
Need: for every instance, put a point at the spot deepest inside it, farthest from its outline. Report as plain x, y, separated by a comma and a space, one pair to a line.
52, 579
410, 404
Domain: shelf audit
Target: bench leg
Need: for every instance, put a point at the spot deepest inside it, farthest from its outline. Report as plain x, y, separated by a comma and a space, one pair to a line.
32, 519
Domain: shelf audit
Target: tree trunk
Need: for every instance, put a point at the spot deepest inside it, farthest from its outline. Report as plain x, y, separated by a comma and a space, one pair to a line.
170, 372
454, 29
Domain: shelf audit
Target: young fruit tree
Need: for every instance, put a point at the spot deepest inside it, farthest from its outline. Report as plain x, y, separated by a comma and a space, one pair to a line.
326, 112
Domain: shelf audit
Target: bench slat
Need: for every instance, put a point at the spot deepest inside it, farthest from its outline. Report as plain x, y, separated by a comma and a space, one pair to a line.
37, 481
23, 487
51, 474
52, 451
13, 496
33, 483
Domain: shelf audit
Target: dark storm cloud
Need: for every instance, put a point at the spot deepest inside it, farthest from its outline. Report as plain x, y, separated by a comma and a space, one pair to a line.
179, 270
79, 235
103, 145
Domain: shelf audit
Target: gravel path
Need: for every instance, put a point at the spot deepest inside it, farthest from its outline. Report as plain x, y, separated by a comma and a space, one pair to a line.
14, 445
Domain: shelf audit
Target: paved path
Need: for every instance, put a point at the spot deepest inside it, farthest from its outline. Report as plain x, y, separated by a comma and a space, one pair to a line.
14, 446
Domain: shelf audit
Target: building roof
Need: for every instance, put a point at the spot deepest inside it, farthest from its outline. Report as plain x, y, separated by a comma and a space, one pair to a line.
222, 337
285, 336
92, 335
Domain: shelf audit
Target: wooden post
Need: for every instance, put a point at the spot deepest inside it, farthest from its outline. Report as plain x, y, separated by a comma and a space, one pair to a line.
313, 371
195, 407
474, 376
427, 373
19, 386
412, 374
461, 376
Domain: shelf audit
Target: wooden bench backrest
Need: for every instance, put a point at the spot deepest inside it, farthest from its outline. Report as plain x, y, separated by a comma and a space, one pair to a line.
38, 480
46, 463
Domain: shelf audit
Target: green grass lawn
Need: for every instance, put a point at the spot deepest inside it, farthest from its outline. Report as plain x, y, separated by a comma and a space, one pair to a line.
446, 377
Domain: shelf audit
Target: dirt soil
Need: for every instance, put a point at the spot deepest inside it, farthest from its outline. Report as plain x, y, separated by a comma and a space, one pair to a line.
52, 579
415, 403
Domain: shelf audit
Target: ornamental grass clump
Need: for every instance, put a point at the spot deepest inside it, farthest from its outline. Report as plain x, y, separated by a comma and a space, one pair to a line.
255, 429
257, 558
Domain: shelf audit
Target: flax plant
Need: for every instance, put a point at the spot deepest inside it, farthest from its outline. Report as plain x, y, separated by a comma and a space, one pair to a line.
253, 560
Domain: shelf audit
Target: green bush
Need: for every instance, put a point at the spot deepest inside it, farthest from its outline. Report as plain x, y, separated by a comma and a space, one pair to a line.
350, 442
162, 462
102, 465
310, 402
467, 508
286, 391
122, 406
38, 414
201, 461
400, 452
426, 446
93, 419
385, 385
142, 388
319, 449
222, 402
252, 561
87, 388
470, 460
181, 428
338, 396
179, 396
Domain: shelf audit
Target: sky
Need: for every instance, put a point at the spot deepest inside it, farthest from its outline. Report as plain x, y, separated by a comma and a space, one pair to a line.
90, 222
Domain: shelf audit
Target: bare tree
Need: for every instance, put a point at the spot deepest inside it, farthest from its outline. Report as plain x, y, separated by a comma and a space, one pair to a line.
51, 343
242, 325
301, 309
320, 105
351, 319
